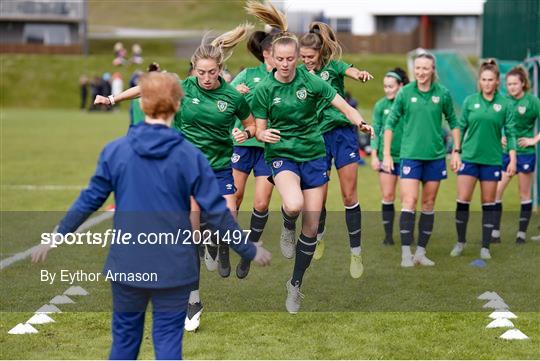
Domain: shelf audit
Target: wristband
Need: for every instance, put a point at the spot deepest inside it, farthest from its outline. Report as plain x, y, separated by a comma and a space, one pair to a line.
111, 99
248, 133
456, 150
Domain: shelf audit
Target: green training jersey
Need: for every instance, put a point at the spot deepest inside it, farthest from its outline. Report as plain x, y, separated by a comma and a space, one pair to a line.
422, 116
251, 77
526, 111
380, 115
292, 109
334, 74
482, 123
207, 116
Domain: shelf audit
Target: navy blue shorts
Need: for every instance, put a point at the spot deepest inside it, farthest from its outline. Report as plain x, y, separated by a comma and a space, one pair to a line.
397, 167
246, 159
482, 172
423, 170
226, 181
342, 146
526, 163
312, 173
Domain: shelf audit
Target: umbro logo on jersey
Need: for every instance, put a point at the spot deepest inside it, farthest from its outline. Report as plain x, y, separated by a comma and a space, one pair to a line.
522, 110
477, 106
235, 158
414, 99
276, 100
497, 107
195, 101
222, 106
435, 100
352, 155
325, 75
301, 94
406, 170
277, 164
386, 111
256, 80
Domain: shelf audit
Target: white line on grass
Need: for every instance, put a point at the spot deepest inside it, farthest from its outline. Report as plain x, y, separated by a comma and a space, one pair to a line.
6, 262
43, 187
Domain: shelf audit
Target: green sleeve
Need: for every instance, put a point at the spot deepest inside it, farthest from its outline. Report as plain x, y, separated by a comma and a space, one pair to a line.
342, 67
448, 111
242, 108
240, 78
259, 103
537, 103
377, 125
509, 128
464, 119
396, 112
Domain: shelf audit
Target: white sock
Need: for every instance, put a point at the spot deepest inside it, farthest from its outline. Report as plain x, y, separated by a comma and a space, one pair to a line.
460, 245
406, 251
356, 250
495, 233
420, 251
194, 297
521, 235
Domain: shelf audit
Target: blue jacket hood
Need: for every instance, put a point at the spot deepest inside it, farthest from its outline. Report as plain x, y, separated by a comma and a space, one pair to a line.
153, 140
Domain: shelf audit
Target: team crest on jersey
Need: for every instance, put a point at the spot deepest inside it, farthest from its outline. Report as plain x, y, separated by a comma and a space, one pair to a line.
235, 158
301, 94
195, 101
435, 100
386, 111
256, 80
325, 75
522, 109
477, 106
497, 107
221, 105
406, 170
277, 164
414, 99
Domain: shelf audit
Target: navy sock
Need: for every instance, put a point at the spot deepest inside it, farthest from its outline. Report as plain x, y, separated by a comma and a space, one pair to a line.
406, 227
525, 216
462, 218
289, 221
305, 247
322, 221
388, 214
353, 219
257, 224
425, 227
497, 214
488, 213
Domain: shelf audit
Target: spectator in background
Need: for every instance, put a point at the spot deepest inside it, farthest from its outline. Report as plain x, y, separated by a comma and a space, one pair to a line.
83, 86
106, 84
117, 85
96, 89
136, 58
119, 54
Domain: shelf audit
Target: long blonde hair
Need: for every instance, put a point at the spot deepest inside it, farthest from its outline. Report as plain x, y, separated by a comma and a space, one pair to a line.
221, 48
270, 15
321, 37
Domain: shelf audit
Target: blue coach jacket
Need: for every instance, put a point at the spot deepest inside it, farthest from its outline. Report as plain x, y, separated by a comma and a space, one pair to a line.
153, 172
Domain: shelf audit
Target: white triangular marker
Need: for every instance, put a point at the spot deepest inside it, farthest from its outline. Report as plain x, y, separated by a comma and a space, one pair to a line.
514, 334
39, 319
48, 309
76, 291
61, 300
22, 328
502, 314
486, 296
496, 304
500, 322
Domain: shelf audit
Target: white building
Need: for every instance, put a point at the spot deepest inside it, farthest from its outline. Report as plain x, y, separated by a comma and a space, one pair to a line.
442, 24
